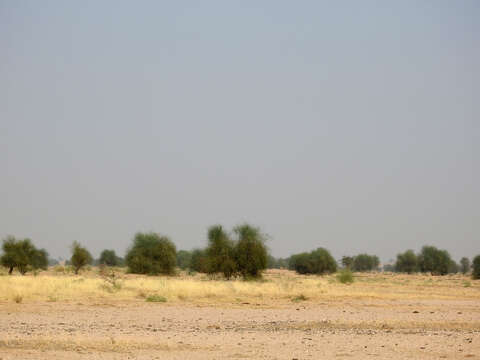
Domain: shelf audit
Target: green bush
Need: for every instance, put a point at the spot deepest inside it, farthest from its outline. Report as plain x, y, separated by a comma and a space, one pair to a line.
80, 257
476, 267
250, 251
434, 261
110, 258
156, 298
406, 262
365, 262
220, 252
318, 261
199, 262
347, 261
23, 255
345, 276
151, 254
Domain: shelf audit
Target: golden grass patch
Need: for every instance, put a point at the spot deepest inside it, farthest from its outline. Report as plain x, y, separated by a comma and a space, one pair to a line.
277, 285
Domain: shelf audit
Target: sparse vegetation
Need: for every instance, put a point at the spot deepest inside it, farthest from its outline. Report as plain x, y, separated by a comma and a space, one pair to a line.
300, 297
156, 298
345, 276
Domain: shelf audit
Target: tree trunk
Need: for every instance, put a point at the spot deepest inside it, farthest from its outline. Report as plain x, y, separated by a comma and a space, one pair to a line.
10, 271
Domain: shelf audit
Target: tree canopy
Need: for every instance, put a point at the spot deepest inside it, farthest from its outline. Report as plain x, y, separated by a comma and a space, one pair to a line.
152, 254
23, 255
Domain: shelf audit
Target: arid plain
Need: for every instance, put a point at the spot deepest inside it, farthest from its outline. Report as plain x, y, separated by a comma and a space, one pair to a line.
57, 315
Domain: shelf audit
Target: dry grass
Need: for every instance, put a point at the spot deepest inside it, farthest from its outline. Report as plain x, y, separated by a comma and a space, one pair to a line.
277, 285
82, 344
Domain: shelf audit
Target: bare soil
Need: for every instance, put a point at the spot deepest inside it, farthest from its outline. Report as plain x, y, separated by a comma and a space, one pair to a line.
360, 329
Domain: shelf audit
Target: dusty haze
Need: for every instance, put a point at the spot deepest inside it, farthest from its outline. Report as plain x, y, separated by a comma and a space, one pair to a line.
351, 126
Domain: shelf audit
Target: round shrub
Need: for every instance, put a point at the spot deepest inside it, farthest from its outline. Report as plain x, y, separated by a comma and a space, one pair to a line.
151, 254
318, 261
250, 251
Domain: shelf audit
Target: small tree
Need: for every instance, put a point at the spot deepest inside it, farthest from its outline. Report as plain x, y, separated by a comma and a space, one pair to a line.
300, 263
199, 262
23, 255
220, 252
152, 254
347, 262
80, 257
318, 261
464, 265
109, 258
250, 251
406, 262
434, 260
40, 259
365, 262
476, 267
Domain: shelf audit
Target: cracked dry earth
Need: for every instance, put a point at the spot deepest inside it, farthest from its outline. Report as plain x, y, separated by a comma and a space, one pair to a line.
137, 330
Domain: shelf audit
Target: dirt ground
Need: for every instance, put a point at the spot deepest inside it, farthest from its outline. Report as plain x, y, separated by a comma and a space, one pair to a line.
360, 329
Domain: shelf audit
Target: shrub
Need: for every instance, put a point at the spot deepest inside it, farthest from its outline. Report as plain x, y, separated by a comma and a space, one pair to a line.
151, 254
347, 261
155, 298
464, 265
40, 259
109, 258
345, 276
220, 252
406, 262
18, 298
365, 262
23, 255
80, 257
434, 260
250, 251
476, 267
300, 297
199, 262
318, 261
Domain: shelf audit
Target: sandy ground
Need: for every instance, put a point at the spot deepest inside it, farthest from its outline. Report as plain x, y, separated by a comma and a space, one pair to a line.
426, 329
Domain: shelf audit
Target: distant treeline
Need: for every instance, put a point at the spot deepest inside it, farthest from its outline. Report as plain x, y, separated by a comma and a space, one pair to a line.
239, 253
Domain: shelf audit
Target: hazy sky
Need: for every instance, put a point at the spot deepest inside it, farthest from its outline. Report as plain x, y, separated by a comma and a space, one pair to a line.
351, 125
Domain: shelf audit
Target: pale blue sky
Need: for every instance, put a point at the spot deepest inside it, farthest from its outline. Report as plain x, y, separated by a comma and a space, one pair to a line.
352, 125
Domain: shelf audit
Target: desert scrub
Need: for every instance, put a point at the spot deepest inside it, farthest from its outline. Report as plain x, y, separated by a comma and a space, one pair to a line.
345, 276
300, 297
18, 298
156, 298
